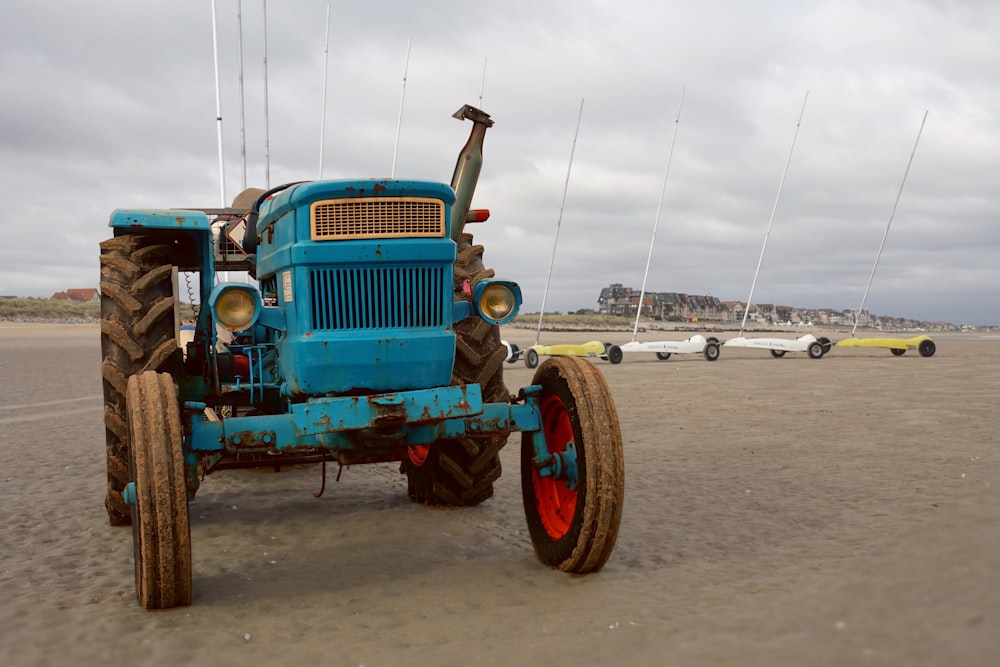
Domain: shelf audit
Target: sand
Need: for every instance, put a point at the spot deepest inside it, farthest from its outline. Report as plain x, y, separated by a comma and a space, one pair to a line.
841, 511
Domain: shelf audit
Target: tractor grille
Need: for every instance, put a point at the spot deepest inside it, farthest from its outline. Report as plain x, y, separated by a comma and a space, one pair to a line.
377, 218
378, 298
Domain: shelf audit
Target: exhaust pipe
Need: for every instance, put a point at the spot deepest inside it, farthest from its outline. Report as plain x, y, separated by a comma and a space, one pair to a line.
470, 163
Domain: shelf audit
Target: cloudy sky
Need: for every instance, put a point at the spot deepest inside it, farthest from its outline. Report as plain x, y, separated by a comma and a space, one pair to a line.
112, 104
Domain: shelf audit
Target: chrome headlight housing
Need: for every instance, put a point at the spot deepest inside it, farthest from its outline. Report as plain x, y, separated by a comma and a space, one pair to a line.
496, 301
235, 306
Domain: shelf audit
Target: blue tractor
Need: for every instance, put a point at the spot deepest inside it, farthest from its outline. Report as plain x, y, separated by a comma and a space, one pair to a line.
370, 333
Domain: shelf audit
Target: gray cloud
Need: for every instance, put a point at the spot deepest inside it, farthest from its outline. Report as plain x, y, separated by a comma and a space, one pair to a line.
113, 105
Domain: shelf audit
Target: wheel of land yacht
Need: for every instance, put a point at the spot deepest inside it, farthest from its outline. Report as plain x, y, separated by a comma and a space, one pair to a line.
826, 343
897, 352
777, 354
712, 339
573, 518
530, 358
927, 348
662, 356
711, 351
815, 350
515, 353
161, 532
615, 354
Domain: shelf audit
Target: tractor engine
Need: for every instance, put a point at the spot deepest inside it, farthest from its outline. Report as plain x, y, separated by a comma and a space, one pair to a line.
362, 272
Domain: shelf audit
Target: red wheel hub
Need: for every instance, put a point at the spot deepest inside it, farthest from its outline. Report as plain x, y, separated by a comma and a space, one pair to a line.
418, 454
555, 501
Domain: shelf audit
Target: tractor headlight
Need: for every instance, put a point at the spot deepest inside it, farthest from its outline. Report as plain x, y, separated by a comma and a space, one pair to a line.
235, 306
496, 301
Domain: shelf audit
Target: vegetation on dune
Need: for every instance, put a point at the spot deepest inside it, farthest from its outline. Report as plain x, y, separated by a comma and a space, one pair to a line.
57, 310
40, 310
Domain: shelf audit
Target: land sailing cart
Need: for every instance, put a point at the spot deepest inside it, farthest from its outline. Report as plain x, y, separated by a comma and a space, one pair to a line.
373, 337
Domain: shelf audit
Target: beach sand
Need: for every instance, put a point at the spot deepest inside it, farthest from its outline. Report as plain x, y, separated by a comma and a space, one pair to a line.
840, 511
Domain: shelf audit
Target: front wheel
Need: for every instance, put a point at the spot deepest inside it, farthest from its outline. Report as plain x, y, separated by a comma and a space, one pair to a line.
927, 348
815, 350
711, 351
161, 532
662, 356
573, 519
530, 358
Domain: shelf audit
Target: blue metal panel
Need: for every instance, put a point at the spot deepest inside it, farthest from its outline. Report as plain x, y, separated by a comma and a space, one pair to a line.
299, 197
355, 422
165, 218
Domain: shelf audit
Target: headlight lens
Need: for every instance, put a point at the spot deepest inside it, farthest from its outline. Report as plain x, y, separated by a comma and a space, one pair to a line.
497, 302
236, 308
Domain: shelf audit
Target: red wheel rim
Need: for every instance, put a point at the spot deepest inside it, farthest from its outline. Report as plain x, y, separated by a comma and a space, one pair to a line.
555, 502
418, 454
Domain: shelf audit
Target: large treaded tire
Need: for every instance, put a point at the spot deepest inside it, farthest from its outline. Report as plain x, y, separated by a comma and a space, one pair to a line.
461, 472
138, 333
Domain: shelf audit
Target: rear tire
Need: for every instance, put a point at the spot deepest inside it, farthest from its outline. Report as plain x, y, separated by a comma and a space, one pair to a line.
574, 529
815, 350
777, 354
662, 356
461, 472
927, 348
530, 358
161, 531
711, 351
138, 333
897, 352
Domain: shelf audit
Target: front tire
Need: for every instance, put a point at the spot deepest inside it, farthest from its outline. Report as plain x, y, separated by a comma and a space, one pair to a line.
138, 333
461, 472
530, 358
574, 529
161, 531
927, 348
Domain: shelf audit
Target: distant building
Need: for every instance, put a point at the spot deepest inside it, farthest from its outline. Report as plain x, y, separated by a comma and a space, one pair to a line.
84, 295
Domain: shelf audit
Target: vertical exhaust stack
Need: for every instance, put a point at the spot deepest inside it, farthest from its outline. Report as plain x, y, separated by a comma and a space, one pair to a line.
470, 163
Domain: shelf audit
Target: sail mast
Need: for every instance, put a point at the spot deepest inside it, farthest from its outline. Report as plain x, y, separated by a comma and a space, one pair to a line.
656, 221
555, 243
857, 314
770, 223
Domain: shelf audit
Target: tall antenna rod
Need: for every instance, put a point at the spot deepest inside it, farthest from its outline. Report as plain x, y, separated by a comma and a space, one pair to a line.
402, 98
326, 62
552, 260
760, 259
243, 124
656, 222
482, 86
218, 108
857, 315
267, 133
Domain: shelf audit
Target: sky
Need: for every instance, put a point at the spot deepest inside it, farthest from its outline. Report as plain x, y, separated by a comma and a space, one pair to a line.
113, 105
